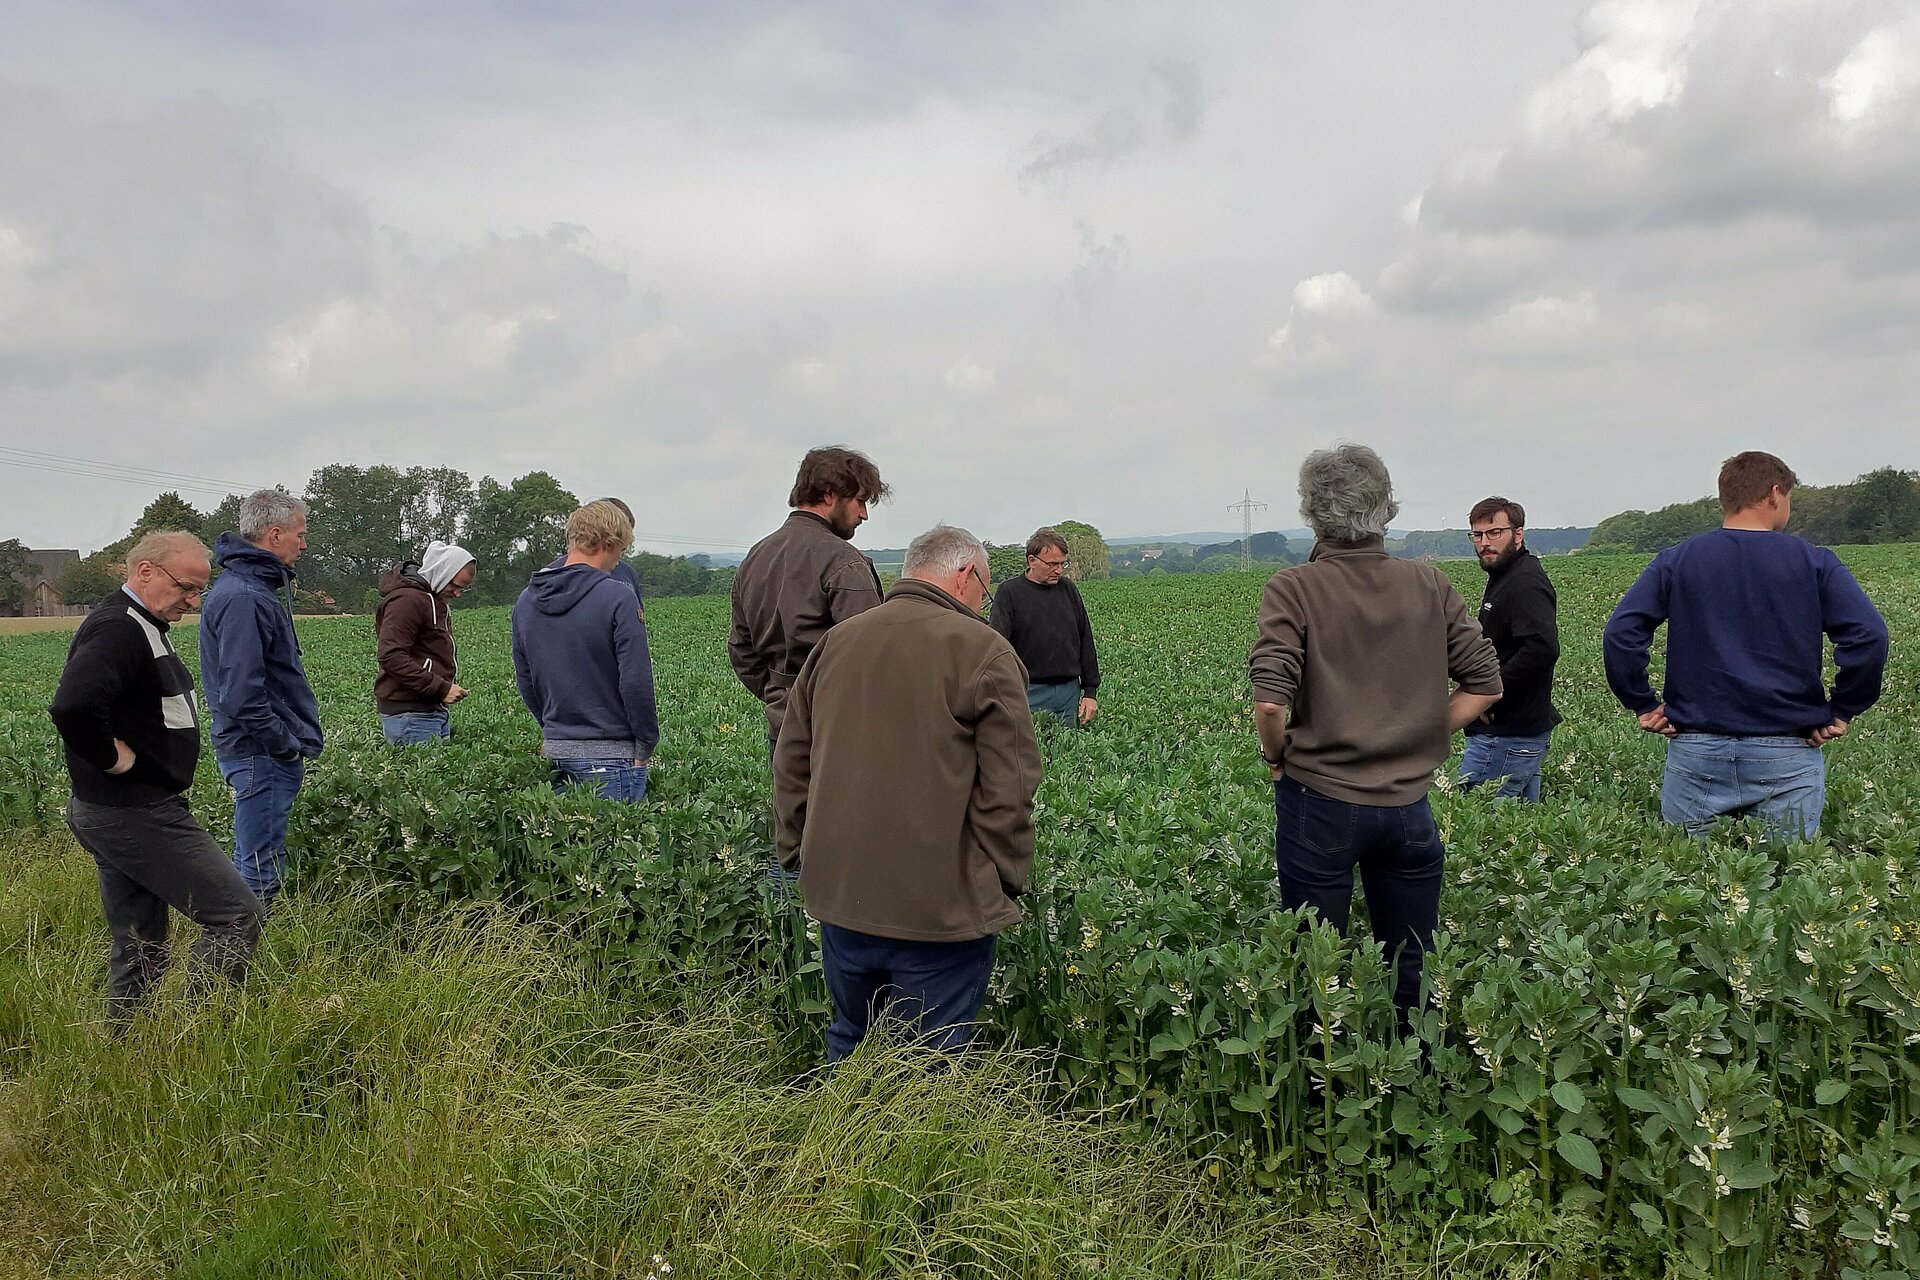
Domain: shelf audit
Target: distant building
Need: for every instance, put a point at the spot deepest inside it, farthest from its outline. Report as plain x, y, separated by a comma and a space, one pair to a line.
1152, 553
42, 581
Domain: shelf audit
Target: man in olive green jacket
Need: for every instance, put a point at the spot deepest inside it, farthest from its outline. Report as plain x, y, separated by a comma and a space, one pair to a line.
904, 778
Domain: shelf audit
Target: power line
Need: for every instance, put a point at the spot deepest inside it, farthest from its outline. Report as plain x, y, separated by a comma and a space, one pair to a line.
116, 470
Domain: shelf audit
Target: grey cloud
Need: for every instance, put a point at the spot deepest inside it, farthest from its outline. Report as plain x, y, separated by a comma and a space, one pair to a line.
161, 243
1751, 132
1171, 86
1099, 268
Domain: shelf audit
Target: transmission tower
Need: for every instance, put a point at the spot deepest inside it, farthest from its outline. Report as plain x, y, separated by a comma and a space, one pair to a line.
1246, 507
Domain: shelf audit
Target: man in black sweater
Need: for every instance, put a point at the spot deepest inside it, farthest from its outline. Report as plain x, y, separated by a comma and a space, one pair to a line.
126, 712
1519, 614
1041, 615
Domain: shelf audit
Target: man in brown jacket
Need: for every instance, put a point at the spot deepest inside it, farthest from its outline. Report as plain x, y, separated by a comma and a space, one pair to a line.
1359, 648
803, 577
904, 778
413, 639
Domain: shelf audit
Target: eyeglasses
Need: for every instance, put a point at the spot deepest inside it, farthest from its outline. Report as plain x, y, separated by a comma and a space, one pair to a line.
1488, 535
192, 589
975, 571
1051, 564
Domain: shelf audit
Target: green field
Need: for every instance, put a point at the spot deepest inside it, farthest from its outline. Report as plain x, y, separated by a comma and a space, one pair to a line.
1644, 1057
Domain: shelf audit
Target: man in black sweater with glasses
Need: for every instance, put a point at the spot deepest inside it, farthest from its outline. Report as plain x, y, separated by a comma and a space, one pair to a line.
1042, 616
126, 712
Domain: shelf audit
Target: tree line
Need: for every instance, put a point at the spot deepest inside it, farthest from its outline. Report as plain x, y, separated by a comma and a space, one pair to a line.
1880, 506
367, 519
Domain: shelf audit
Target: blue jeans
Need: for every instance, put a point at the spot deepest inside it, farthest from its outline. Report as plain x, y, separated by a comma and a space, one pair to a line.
1061, 698
614, 779
263, 792
410, 728
1782, 781
1317, 843
935, 988
1514, 761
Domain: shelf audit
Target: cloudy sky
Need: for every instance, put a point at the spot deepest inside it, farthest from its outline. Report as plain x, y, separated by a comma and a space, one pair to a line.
1111, 261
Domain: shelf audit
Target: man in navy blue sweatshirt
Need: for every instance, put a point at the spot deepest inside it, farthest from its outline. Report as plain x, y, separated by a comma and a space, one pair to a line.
1748, 608
580, 660
266, 721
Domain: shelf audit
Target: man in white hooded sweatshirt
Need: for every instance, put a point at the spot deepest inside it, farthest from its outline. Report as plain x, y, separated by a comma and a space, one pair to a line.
413, 630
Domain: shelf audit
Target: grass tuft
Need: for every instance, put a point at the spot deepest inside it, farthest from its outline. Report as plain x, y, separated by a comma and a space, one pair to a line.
454, 1099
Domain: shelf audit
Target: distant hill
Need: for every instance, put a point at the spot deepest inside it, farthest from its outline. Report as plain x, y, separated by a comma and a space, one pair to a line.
1880, 506
1293, 544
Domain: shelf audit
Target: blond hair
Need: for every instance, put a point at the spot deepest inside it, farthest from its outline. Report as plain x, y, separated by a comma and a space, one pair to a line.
599, 526
162, 545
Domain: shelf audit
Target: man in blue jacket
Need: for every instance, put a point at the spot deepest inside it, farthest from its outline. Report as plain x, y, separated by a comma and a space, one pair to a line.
1748, 608
580, 660
266, 721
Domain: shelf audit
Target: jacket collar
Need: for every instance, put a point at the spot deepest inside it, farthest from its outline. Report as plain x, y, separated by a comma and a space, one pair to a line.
820, 520
1333, 550
236, 554
930, 593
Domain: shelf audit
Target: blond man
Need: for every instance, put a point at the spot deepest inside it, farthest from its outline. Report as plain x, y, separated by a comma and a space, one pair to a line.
581, 662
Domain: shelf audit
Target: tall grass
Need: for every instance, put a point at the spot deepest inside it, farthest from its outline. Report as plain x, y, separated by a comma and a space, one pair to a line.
452, 1099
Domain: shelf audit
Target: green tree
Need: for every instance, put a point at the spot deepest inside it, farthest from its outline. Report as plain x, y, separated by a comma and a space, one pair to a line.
167, 512
513, 530
1008, 561
224, 518
93, 578
1086, 551
1885, 507
13, 567
356, 516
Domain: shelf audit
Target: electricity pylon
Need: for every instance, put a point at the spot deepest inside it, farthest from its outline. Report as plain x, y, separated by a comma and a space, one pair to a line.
1246, 507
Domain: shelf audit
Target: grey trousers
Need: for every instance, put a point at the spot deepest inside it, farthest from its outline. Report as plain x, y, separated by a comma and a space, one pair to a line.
150, 858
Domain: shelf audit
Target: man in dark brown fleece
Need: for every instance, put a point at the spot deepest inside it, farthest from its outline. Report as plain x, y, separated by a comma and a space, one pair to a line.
904, 778
1350, 688
413, 643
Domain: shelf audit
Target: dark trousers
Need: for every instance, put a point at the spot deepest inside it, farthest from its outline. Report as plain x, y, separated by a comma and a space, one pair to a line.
150, 858
1318, 841
934, 988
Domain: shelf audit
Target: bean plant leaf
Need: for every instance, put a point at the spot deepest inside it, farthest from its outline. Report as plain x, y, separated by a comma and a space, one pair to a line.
1580, 1152
1568, 1095
1831, 1091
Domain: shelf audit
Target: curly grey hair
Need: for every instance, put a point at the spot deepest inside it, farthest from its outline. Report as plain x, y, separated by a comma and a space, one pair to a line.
942, 551
267, 509
1346, 494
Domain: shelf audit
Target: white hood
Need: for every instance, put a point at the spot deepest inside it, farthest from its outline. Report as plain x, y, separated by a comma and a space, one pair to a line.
441, 562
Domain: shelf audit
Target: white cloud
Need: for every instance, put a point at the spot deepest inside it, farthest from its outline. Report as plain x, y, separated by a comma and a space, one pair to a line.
1879, 77
970, 379
1545, 324
1633, 58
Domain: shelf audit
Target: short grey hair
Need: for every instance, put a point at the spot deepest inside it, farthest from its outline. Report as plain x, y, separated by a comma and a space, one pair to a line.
162, 545
1346, 494
941, 552
268, 509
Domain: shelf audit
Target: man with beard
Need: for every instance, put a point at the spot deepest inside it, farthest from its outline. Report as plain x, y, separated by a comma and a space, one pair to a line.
804, 577
1518, 613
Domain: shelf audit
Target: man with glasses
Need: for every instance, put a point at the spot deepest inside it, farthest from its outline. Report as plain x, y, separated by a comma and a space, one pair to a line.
903, 792
126, 715
1043, 618
1519, 613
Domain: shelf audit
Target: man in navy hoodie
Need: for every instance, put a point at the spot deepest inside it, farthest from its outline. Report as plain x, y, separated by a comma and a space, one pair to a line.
1748, 609
266, 721
580, 660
